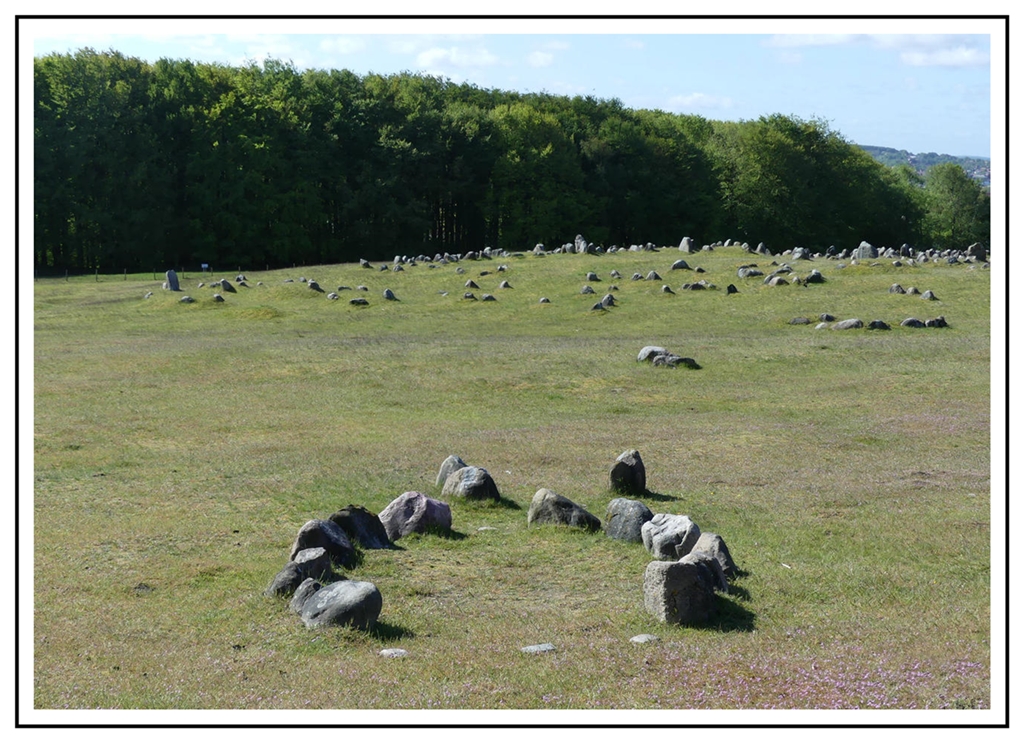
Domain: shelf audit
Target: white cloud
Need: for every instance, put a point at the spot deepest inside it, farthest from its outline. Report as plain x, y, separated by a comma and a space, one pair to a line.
957, 57
457, 56
343, 45
540, 59
701, 101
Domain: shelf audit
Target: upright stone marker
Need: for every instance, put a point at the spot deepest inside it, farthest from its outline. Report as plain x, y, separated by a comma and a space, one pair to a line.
172, 281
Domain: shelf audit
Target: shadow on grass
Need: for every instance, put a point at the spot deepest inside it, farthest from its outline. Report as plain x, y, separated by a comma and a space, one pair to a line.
651, 495
731, 616
388, 632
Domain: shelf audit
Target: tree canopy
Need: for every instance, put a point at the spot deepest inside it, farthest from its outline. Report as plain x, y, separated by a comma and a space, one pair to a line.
143, 166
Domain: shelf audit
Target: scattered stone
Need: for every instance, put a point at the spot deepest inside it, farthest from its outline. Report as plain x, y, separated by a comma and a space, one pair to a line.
473, 483
637, 277
731, 289
471, 284
718, 579
548, 507
929, 295
388, 294
897, 289
187, 299
469, 295
628, 475
544, 300
362, 526
878, 325
653, 276
314, 286
865, 251
358, 301
679, 592
225, 285
826, 317
608, 300
814, 277
348, 602
625, 518
591, 276
666, 289
147, 295
680, 265
848, 324
647, 353
362, 288
218, 298
332, 296
415, 512
643, 639
504, 285
938, 322
686, 245
587, 290
599, 307
669, 537
546, 647
365, 263
800, 321
488, 298
912, 322
913, 290
393, 653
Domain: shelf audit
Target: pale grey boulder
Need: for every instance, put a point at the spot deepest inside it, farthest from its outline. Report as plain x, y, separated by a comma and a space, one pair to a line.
452, 463
669, 537
415, 512
680, 592
474, 483
348, 602
715, 546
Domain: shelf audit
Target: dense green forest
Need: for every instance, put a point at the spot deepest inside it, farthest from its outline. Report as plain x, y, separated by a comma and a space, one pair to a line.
142, 166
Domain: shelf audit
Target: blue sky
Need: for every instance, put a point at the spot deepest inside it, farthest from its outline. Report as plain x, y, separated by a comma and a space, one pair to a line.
920, 85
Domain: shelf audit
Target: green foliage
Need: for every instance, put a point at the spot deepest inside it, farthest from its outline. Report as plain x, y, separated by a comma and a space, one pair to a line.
151, 166
958, 208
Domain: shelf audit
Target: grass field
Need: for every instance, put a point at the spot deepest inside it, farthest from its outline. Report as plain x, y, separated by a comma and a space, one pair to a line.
178, 449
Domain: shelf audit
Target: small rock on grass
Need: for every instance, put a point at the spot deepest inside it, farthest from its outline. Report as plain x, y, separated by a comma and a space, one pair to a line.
545, 647
393, 653
641, 639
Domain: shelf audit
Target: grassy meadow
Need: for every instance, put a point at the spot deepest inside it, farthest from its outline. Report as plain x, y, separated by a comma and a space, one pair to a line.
178, 449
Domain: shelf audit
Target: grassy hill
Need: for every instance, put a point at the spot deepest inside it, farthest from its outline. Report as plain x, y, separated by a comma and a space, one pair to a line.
178, 449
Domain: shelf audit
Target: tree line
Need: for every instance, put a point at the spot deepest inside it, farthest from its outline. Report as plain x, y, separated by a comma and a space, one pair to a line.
142, 166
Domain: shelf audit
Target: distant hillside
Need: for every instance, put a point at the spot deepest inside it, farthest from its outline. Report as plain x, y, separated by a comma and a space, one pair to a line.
978, 168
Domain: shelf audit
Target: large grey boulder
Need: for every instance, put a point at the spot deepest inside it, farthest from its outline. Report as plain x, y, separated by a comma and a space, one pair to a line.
415, 512
452, 463
362, 526
548, 507
976, 251
474, 483
625, 518
714, 545
680, 265
853, 322
628, 475
680, 592
172, 281
865, 251
308, 563
347, 602
326, 534
669, 537
225, 285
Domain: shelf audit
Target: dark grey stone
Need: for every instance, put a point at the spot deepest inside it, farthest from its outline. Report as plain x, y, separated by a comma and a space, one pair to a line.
912, 322
625, 518
306, 589
358, 301
362, 526
474, 483
548, 507
628, 475
326, 534
680, 592
451, 463
349, 602
715, 546
172, 281
308, 563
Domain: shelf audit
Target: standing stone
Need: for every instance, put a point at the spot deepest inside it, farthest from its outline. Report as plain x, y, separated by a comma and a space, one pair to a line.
449, 465
474, 483
415, 512
669, 537
714, 545
686, 245
865, 251
625, 518
679, 592
348, 602
172, 281
326, 534
628, 474
362, 526
548, 507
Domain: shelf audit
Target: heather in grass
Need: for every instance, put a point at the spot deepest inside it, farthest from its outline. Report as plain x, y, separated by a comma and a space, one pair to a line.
178, 449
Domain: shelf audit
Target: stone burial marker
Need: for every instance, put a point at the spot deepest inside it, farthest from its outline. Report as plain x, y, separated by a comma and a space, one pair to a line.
172, 281
625, 518
347, 602
329, 536
680, 592
669, 537
473, 483
415, 512
628, 475
548, 507
362, 526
